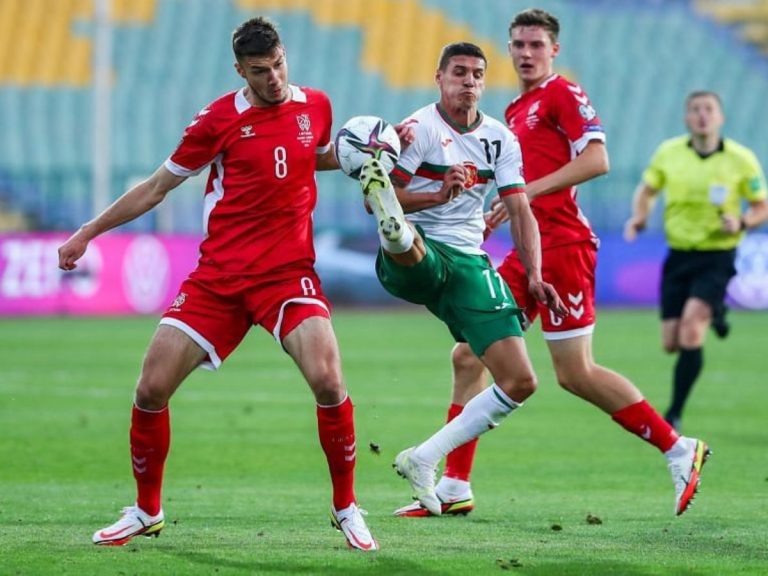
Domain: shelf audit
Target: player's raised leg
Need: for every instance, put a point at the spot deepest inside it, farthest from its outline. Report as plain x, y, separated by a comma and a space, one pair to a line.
382, 200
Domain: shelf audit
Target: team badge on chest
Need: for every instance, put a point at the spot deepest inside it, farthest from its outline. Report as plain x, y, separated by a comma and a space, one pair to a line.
470, 171
305, 129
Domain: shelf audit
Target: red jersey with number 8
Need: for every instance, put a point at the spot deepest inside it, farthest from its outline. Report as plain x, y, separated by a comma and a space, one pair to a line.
261, 190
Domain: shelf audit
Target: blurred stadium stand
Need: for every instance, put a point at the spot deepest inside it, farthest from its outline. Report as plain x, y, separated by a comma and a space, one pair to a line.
637, 59
750, 17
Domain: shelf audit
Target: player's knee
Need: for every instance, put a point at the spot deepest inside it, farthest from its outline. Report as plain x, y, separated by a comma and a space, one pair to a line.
465, 361
574, 381
670, 347
519, 388
151, 393
326, 383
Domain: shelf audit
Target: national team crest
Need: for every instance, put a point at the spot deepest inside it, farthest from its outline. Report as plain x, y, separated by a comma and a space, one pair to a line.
305, 130
470, 170
532, 117
304, 123
178, 302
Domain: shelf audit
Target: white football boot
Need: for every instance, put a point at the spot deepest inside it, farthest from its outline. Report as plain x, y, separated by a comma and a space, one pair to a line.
133, 522
382, 200
422, 480
350, 522
685, 461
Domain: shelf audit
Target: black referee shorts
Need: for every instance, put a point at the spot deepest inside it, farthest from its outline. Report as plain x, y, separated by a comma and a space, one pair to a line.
700, 274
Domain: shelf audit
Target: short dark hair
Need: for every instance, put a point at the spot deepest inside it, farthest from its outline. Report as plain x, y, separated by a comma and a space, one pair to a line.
537, 17
255, 37
460, 49
700, 93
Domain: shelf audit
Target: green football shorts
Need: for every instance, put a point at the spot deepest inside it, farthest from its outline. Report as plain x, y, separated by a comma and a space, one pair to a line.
461, 289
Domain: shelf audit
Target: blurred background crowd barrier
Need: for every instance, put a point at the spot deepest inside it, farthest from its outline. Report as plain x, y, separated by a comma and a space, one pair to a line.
94, 95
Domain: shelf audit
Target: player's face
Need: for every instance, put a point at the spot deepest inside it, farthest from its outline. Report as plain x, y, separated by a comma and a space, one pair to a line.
267, 77
462, 82
704, 116
533, 53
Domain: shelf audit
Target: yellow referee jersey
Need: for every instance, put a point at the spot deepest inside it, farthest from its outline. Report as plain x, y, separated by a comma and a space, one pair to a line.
698, 191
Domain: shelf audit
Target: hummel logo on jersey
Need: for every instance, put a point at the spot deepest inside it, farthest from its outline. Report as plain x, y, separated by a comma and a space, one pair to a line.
349, 452
446, 142
202, 112
579, 95
139, 464
576, 300
247, 131
645, 432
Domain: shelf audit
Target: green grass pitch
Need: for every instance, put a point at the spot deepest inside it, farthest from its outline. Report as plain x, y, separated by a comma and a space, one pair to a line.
247, 490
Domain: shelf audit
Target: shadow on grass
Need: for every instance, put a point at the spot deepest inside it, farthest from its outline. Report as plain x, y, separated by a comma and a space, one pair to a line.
356, 563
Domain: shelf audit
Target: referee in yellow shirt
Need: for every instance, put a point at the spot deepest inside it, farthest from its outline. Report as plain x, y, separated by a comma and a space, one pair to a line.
706, 179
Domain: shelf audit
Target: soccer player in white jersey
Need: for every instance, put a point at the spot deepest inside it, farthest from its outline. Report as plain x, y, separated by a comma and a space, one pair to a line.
262, 145
441, 181
563, 145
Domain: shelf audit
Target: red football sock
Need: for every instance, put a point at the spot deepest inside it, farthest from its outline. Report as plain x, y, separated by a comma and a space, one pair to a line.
642, 420
150, 440
336, 428
458, 464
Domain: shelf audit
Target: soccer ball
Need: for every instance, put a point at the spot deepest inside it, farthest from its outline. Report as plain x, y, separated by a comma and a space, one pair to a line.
364, 137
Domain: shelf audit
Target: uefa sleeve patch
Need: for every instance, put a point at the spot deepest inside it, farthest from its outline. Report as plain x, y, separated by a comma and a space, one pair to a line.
755, 184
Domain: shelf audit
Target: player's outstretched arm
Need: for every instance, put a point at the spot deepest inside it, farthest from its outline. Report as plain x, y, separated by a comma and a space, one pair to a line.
525, 233
135, 202
591, 163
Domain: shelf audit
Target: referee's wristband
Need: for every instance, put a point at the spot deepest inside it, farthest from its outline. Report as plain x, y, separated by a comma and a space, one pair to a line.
742, 224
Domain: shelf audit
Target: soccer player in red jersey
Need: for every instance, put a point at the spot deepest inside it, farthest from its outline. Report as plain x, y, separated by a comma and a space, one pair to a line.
563, 145
263, 144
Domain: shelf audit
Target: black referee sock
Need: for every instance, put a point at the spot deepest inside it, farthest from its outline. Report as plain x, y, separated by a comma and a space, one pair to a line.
687, 370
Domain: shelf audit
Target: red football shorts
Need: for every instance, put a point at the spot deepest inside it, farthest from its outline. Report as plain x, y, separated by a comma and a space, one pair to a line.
218, 312
571, 270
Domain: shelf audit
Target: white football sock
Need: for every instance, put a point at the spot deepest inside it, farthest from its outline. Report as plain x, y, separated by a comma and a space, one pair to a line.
679, 448
452, 489
399, 246
484, 412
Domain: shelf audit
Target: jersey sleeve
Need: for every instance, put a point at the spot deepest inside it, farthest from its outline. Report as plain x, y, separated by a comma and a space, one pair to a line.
508, 172
654, 175
324, 141
412, 157
576, 117
197, 148
753, 187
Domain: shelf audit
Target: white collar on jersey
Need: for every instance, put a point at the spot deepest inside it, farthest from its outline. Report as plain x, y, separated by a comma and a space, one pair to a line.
242, 104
